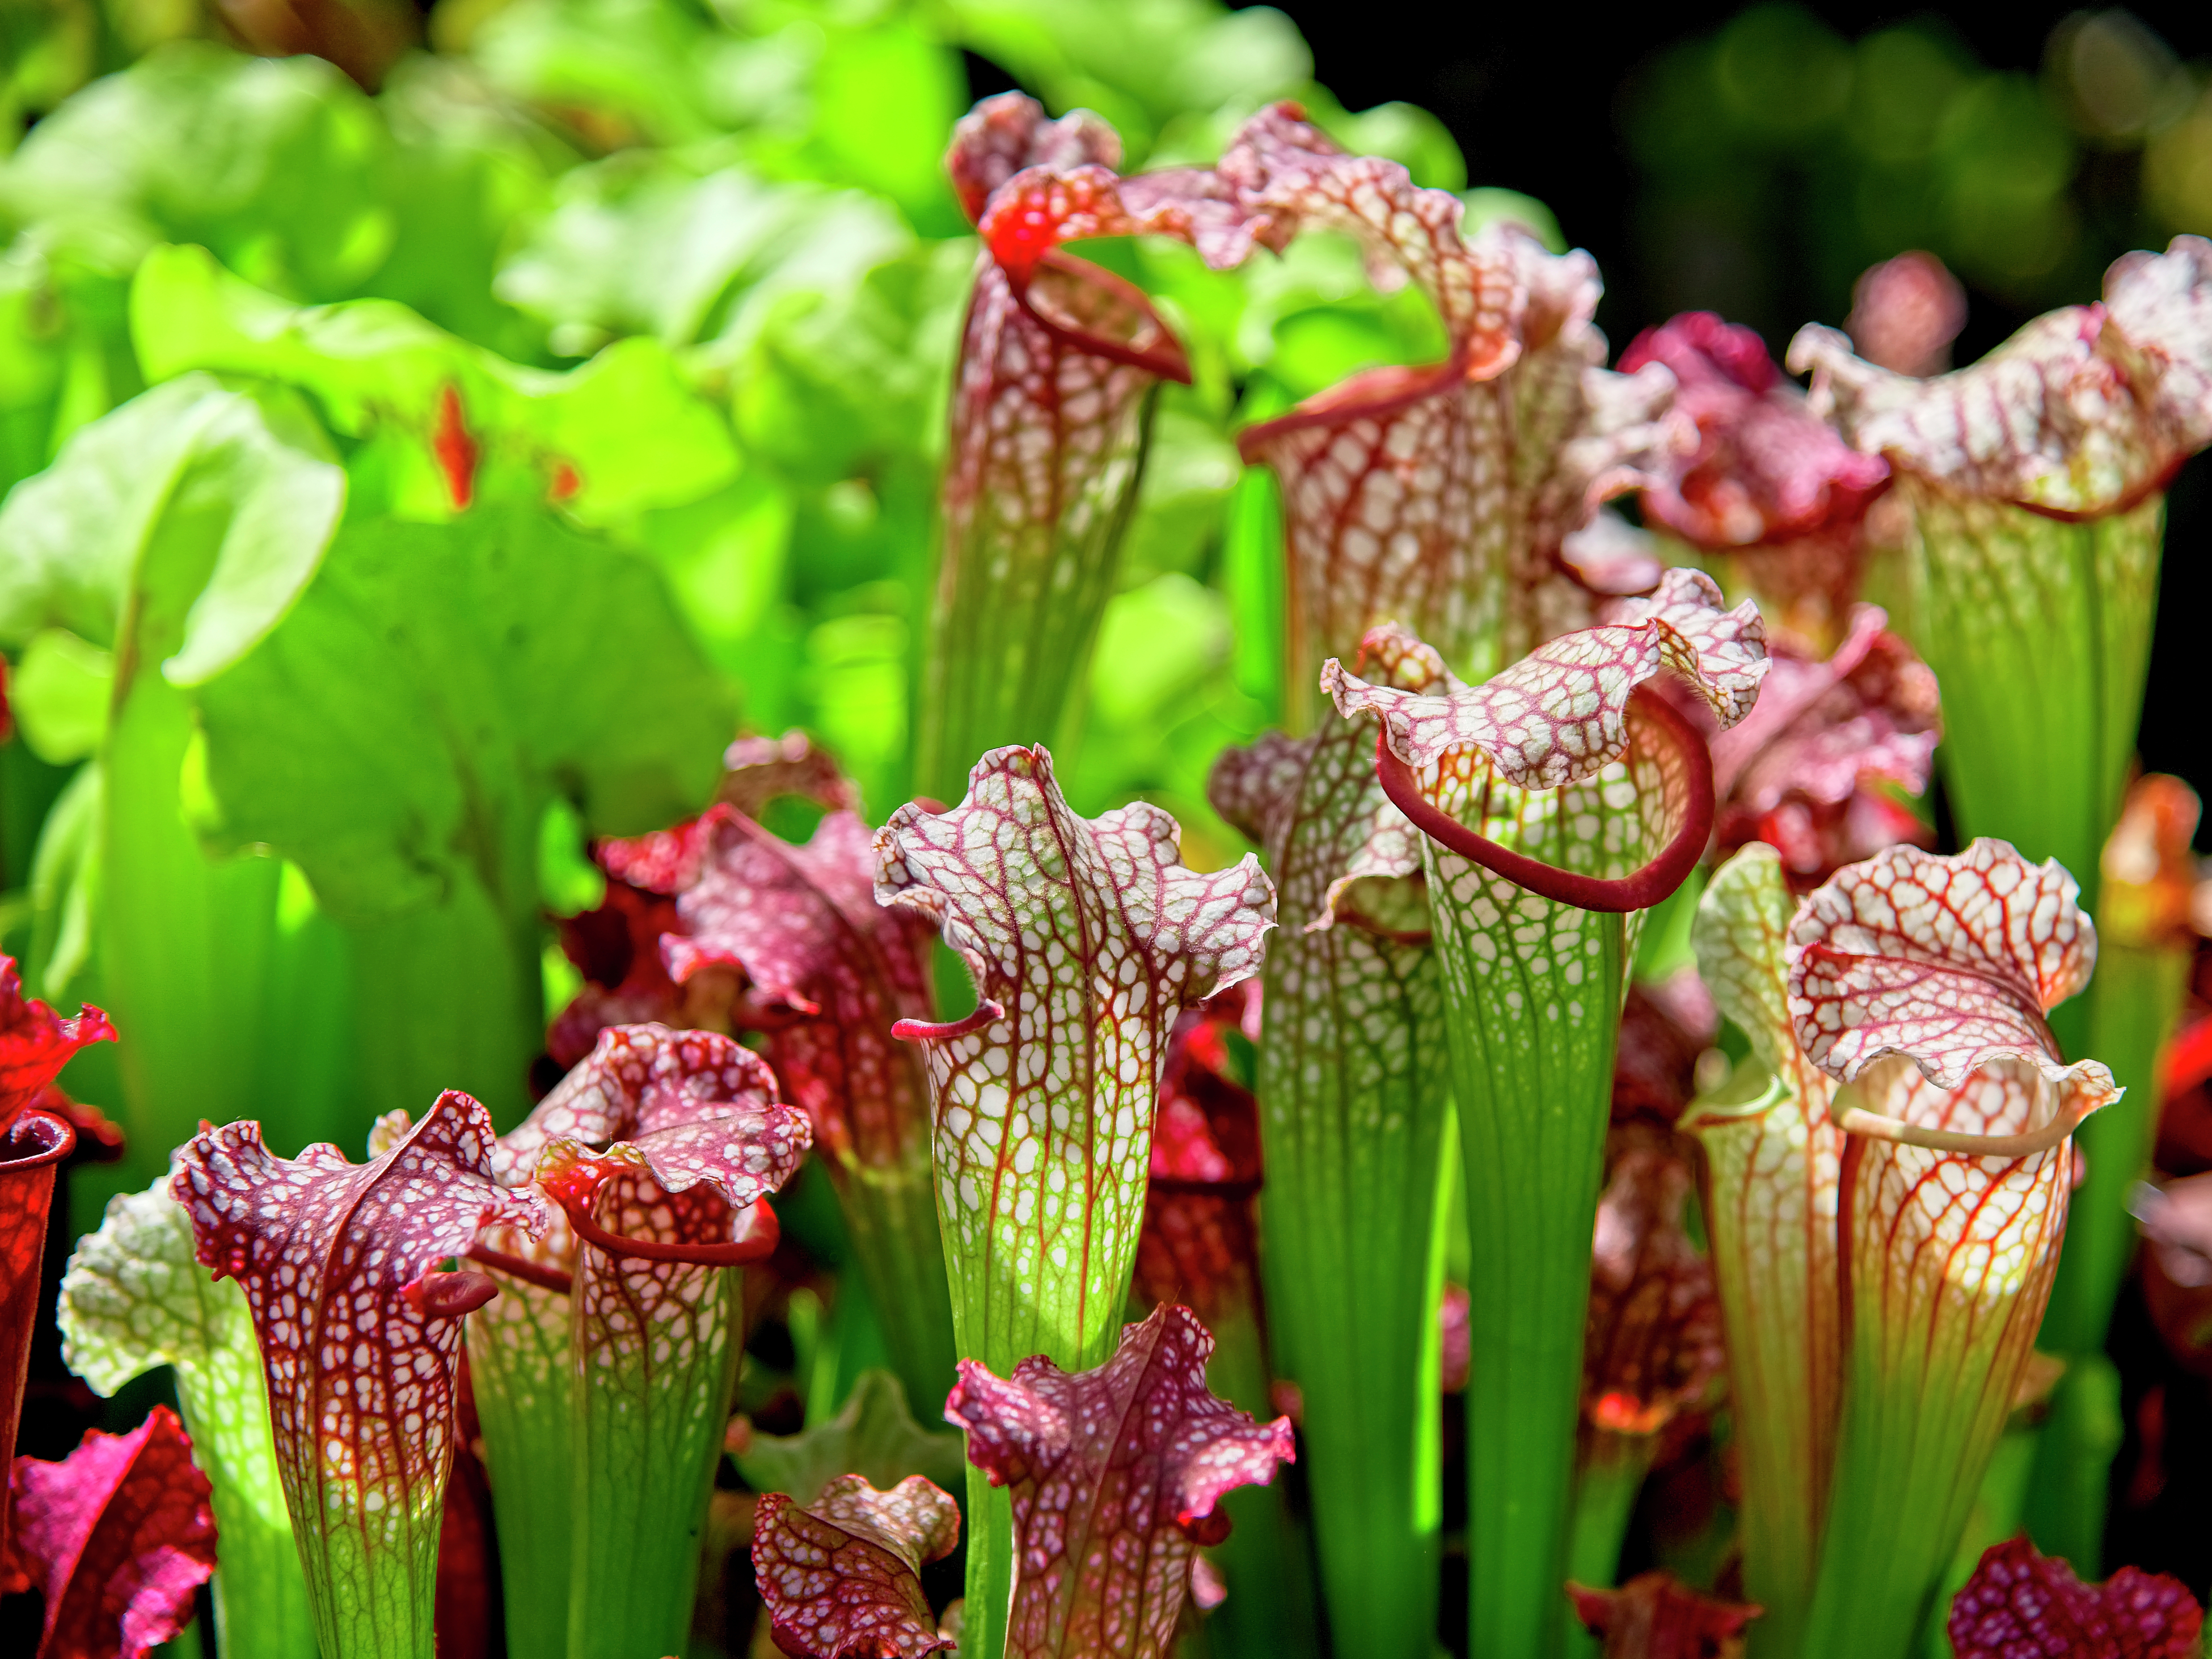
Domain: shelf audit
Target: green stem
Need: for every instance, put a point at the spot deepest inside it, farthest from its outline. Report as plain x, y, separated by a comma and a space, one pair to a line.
1605, 1487
1355, 1108
650, 1417
989, 1591
891, 1216
520, 1371
1535, 1008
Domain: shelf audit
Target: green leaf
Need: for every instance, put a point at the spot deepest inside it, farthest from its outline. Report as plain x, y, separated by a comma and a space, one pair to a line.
433, 692
290, 176
59, 693
618, 433
203, 508
642, 244
874, 1434
133, 1298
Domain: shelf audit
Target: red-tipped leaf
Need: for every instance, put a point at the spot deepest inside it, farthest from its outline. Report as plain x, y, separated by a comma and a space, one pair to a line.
117, 1537
1115, 1475
841, 1575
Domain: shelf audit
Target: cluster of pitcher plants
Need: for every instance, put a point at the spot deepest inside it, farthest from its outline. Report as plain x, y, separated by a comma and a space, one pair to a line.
1594, 945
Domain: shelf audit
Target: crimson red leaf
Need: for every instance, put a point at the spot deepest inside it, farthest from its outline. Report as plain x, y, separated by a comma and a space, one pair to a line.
35, 1042
841, 1574
32, 1148
117, 1536
1767, 470
756, 771
361, 1382
1115, 1474
2019, 1604
1655, 1615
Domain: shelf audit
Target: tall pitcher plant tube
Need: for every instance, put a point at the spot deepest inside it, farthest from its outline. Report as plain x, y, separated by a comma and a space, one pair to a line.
602, 1372
2035, 483
1922, 985
1085, 937
1051, 413
1552, 800
1355, 1095
1774, 1160
359, 1337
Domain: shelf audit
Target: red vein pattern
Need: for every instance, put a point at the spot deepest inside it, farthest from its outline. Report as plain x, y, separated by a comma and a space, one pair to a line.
1561, 713
1655, 1615
1925, 980
1803, 770
2022, 1605
1114, 1474
2084, 413
1773, 1163
1047, 432
1950, 963
1653, 1348
361, 1379
117, 1536
1439, 497
841, 1575
684, 1107
35, 1042
1088, 936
